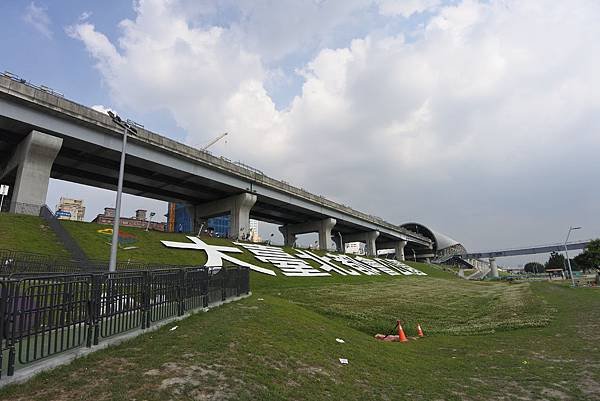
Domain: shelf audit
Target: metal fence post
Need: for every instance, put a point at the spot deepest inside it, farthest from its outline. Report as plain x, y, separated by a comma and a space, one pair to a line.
145, 307
205, 287
223, 283
10, 336
96, 305
181, 289
2, 320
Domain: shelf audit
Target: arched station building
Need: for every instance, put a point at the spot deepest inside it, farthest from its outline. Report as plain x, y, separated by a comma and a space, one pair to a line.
443, 246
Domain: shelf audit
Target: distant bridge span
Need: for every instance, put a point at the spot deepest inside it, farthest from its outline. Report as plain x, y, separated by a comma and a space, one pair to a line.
530, 250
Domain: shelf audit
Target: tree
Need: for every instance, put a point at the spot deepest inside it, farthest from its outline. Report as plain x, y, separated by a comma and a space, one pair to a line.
534, 267
590, 257
556, 261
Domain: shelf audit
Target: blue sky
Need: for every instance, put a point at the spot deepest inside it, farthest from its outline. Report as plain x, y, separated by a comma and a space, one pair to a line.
468, 116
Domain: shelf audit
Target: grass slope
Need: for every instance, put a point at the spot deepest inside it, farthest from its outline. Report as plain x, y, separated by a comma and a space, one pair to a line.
28, 234
281, 349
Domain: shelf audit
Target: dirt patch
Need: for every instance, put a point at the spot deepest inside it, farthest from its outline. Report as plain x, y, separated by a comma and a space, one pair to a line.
589, 385
200, 382
555, 394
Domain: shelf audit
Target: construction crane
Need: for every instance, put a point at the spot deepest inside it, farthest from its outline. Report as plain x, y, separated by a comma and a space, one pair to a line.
217, 139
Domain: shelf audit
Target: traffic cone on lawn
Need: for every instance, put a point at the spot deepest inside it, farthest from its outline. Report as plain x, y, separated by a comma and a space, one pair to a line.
420, 330
401, 336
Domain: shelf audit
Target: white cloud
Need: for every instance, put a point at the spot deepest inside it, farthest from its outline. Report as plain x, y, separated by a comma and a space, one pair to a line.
406, 8
37, 17
103, 109
84, 16
482, 106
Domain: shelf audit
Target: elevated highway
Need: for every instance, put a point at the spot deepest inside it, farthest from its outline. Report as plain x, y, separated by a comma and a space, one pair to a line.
44, 135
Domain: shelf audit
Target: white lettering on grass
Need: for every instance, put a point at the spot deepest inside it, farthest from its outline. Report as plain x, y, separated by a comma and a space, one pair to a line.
324, 263
354, 264
376, 265
288, 264
215, 254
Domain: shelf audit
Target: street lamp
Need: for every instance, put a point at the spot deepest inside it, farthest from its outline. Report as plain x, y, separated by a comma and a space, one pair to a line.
127, 127
150, 220
567, 254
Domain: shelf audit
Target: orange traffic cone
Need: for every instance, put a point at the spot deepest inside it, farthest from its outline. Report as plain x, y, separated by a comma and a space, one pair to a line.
401, 336
420, 330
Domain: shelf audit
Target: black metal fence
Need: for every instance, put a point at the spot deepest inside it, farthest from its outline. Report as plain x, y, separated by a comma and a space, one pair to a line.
17, 262
44, 314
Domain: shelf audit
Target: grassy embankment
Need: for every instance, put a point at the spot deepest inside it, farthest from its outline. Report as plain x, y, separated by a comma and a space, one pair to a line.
28, 234
486, 341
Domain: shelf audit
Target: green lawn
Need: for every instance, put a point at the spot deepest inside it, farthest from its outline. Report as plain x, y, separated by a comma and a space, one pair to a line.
28, 234
485, 341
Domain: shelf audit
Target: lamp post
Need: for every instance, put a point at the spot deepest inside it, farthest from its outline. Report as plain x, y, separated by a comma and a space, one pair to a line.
127, 127
150, 220
567, 254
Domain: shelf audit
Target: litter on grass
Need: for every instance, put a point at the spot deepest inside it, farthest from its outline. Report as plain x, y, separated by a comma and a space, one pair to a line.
339, 340
261, 299
343, 361
173, 328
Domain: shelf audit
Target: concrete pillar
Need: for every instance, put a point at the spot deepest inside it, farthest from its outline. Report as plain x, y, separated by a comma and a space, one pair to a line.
31, 163
325, 227
368, 238
289, 238
322, 227
339, 243
237, 206
493, 268
240, 214
400, 250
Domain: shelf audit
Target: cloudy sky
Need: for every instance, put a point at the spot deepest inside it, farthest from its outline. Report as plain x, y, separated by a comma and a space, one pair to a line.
480, 119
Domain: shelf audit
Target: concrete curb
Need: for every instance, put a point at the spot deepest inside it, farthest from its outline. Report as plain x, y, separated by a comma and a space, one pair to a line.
64, 358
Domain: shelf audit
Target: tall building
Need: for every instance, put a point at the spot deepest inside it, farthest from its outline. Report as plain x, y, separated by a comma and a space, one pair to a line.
70, 209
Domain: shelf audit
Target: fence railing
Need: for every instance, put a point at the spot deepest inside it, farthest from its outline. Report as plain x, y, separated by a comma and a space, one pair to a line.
17, 262
45, 314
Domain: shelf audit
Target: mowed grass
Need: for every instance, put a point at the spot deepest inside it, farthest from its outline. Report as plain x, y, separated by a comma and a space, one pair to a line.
28, 234
146, 246
280, 344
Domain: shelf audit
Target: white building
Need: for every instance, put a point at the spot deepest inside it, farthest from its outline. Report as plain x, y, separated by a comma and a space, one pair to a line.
70, 209
356, 248
254, 236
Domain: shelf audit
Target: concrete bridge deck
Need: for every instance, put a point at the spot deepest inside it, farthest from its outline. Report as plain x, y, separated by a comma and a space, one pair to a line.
161, 168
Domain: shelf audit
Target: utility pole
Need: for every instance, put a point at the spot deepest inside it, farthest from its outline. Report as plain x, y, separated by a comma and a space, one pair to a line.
127, 128
149, 220
567, 254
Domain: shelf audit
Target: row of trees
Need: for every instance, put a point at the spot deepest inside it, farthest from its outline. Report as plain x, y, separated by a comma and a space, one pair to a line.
588, 260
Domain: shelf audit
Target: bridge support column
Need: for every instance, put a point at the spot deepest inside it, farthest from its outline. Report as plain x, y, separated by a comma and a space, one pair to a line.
238, 207
31, 165
493, 268
400, 250
397, 246
339, 243
368, 238
322, 227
